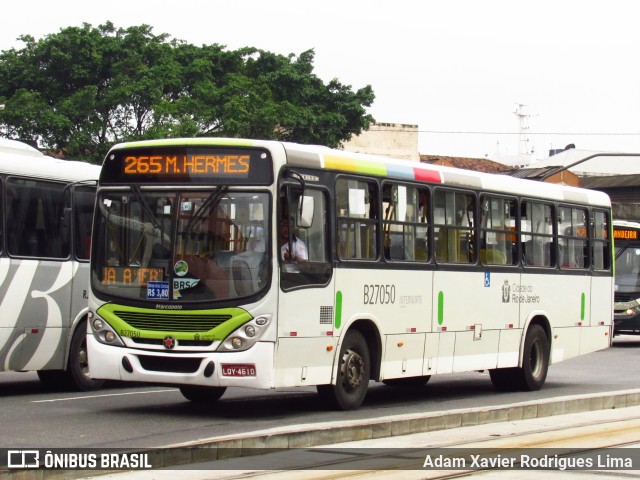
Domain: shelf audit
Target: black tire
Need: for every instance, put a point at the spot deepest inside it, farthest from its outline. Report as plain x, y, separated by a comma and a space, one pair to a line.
409, 382
535, 365
354, 367
76, 376
78, 364
202, 394
535, 362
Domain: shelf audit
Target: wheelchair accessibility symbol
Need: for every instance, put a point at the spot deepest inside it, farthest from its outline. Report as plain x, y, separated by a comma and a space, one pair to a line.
487, 279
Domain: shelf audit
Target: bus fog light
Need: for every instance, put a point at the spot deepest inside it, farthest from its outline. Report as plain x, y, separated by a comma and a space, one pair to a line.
236, 342
250, 330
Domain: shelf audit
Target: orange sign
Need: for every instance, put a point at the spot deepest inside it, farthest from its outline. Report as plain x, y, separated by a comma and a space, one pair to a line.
625, 234
131, 275
191, 164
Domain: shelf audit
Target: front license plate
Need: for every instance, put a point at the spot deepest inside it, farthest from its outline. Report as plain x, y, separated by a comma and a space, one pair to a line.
238, 370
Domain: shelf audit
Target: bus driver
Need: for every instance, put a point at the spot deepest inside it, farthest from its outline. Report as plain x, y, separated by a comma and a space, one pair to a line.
300, 253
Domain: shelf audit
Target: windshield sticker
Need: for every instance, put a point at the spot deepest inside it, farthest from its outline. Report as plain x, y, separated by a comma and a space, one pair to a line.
158, 290
183, 284
181, 268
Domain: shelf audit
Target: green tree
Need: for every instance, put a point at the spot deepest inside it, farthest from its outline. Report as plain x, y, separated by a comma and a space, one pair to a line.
83, 89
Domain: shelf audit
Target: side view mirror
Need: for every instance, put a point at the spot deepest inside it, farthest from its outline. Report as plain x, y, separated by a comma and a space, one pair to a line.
304, 217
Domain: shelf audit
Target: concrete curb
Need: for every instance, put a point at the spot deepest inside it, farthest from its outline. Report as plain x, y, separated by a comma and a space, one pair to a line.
306, 436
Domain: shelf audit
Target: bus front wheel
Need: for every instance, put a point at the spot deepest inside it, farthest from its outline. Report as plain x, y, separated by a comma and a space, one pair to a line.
202, 394
76, 376
535, 364
354, 369
78, 365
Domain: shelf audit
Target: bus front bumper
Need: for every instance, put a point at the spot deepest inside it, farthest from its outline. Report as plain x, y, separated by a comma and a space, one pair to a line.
251, 368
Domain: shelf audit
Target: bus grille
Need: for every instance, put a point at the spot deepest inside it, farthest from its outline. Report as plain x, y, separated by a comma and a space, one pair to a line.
174, 364
175, 323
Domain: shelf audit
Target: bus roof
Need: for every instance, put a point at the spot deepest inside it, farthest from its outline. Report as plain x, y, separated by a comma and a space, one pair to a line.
17, 158
315, 156
625, 224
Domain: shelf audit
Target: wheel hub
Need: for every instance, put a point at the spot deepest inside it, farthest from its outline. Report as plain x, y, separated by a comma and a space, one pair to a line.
352, 369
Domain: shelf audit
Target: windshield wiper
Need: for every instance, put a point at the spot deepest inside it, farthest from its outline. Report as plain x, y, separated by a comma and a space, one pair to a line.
211, 201
145, 205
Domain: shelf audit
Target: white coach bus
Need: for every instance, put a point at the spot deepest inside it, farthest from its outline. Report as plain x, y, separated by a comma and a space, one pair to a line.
47, 208
242, 263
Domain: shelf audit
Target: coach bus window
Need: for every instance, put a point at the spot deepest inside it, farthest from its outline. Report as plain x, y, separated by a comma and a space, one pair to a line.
572, 238
1, 222
357, 219
33, 219
600, 239
405, 223
454, 223
536, 225
497, 238
83, 200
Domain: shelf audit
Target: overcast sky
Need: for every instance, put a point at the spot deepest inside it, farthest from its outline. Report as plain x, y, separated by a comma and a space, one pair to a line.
455, 68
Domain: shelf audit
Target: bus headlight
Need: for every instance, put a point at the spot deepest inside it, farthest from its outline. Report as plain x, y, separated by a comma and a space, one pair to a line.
629, 312
103, 332
246, 336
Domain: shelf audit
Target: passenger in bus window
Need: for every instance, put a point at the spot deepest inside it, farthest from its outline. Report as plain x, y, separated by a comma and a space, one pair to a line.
300, 253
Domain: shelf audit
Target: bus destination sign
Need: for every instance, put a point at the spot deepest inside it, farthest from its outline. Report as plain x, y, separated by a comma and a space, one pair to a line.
625, 234
195, 165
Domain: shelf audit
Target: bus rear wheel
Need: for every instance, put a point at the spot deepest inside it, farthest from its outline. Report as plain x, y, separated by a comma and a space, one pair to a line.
354, 369
535, 365
76, 376
202, 394
78, 365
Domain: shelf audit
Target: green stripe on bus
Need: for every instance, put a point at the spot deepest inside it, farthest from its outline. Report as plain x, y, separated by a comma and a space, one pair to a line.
582, 307
338, 319
440, 307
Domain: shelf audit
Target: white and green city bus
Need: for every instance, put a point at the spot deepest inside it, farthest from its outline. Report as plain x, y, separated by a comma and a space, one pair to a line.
46, 209
410, 270
626, 306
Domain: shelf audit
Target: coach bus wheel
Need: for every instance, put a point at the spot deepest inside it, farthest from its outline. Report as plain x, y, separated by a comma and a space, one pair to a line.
535, 364
202, 394
353, 374
409, 382
78, 365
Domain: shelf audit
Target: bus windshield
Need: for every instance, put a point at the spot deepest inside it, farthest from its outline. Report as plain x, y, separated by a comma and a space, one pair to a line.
176, 245
627, 271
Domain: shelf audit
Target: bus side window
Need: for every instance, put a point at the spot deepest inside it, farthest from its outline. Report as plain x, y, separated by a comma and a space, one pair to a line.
600, 240
454, 226
357, 216
497, 241
538, 248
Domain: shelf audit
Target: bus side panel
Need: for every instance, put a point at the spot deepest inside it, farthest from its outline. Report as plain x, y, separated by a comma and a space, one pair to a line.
306, 323
431, 352
34, 314
477, 306
398, 303
304, 361
601, 301
403, 356
79, 291
598, 336
476, 350
509, 348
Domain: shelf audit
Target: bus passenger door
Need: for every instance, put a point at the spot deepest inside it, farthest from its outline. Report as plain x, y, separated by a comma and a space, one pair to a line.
306, 304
